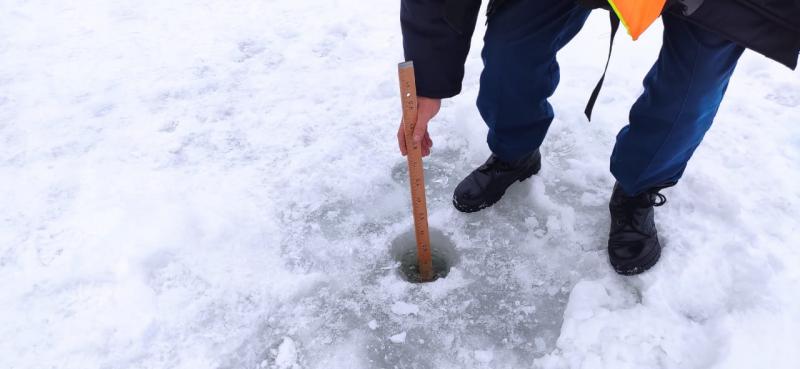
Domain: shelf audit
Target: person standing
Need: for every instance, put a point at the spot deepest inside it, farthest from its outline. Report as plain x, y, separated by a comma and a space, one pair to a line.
702, 42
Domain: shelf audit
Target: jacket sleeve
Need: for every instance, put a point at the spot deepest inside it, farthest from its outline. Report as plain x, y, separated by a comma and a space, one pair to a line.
436, 36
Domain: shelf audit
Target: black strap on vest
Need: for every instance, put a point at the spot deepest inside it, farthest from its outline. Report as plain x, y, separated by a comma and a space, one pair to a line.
596, 92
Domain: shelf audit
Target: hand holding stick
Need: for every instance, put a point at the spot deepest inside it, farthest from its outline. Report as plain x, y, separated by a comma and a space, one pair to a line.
408, 96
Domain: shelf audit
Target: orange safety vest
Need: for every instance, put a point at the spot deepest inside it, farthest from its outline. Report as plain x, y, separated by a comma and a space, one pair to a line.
637, 15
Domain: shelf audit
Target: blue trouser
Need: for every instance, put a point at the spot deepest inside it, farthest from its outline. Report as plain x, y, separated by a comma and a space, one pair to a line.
682, 91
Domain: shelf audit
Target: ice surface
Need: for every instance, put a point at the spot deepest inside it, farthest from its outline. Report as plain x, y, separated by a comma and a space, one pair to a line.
402, 308
215, 184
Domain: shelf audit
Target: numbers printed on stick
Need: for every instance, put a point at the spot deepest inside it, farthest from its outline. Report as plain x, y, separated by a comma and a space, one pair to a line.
408, 95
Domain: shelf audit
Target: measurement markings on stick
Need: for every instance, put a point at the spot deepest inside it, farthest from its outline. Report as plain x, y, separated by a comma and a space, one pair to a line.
408, 95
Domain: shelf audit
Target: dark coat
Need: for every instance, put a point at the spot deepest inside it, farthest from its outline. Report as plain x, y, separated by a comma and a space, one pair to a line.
437, 33
769, 27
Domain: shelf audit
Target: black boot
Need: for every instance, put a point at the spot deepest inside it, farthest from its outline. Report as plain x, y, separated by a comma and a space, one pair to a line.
487, 184
633, 245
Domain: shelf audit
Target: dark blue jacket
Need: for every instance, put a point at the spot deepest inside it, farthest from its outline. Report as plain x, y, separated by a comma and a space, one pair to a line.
437, 33
436, 36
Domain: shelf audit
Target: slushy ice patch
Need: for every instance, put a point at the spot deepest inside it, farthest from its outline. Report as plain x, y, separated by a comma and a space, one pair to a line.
404, 251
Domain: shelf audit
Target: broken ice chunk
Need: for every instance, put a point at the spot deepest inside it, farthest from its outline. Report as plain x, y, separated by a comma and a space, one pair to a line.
403, 308
398, 338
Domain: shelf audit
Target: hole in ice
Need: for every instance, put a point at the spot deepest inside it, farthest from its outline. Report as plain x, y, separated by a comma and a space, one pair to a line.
404, 250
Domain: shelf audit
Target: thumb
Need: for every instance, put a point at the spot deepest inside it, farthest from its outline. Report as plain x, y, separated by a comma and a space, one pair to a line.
420, 129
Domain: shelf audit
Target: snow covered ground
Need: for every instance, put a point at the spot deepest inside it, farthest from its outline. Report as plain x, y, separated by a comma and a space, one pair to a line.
215, 184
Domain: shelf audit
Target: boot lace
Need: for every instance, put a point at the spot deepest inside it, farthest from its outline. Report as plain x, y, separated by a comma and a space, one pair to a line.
624, 210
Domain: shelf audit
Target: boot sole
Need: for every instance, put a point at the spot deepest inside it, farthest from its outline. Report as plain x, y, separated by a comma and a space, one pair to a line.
651, 261
474, 208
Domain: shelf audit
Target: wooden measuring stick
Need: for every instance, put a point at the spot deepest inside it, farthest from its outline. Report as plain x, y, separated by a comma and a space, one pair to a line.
408, 95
